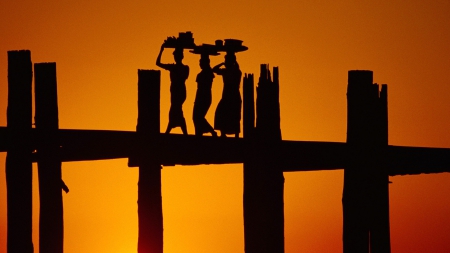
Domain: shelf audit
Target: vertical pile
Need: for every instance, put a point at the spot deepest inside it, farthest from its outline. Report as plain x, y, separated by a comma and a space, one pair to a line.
150, 235
366, 196
51, 225
18, 159
263, 177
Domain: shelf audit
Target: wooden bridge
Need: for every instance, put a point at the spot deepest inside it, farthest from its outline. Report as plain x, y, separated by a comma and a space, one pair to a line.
366, 158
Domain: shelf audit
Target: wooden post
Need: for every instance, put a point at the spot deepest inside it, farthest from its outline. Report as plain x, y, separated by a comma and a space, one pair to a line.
149, 187
263, 179
51, 224
251, 235
18, 159
380, 241
365, 197
249, 105
354, 199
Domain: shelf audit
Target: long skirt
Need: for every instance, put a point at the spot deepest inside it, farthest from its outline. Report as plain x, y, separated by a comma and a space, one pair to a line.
176, 117
228, 115
201, 107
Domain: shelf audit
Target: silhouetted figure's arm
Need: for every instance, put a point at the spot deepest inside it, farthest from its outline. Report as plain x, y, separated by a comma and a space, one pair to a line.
217, 68
158, 60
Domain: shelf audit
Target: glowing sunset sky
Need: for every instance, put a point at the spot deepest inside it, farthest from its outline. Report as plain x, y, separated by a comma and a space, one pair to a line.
99, 45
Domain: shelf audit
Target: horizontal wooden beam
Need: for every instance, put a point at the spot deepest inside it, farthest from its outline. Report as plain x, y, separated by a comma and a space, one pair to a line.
174, 149
417, 160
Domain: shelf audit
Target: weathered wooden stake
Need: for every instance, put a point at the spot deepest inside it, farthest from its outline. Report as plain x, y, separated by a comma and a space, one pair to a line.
366, 197
149, 187
380, 241
18, 159
251, 235
51, 224
263, 179
248, 106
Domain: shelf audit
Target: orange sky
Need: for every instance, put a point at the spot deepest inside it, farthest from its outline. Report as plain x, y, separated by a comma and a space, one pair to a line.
99, 45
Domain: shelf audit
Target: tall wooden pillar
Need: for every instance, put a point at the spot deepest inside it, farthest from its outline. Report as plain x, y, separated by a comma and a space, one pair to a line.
248, 106
263, 178
18, 159
149, 187
51, 226
251, 228
380, 241
366, 196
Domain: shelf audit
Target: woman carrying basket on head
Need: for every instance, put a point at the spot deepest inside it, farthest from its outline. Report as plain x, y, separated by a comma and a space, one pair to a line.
203, 96
178, 75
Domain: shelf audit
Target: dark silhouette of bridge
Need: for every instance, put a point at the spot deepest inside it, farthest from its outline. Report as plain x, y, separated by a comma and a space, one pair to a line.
366, 158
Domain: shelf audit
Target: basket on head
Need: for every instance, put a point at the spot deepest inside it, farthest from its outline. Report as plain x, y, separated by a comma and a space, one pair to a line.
230, 45
205, 49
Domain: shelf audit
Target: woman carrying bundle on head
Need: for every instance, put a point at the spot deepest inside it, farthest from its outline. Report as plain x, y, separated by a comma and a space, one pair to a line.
203, 96
228, 113
178, 75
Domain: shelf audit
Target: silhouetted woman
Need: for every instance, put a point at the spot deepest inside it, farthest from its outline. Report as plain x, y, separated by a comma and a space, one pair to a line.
178, 75
228, 113
203, 96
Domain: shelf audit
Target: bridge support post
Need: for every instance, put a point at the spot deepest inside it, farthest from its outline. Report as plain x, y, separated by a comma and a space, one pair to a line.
18, 160
263, 178
150, 235
380, 238
366, 196
51, 224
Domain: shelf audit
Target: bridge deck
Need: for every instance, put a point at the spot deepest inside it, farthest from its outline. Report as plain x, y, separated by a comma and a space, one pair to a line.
174, 149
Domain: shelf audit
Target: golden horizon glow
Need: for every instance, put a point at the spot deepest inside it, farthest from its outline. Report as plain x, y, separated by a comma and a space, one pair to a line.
99, 45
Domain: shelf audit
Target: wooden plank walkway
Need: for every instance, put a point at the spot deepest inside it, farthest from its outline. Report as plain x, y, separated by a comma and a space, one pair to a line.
175, 149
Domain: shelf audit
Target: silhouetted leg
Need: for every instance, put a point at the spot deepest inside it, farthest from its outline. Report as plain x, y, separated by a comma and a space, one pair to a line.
168, 129
197, 126
208, 128
202, 126
183, 128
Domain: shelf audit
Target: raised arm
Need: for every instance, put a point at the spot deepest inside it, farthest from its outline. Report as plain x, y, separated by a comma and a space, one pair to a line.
158, 60
217, 68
